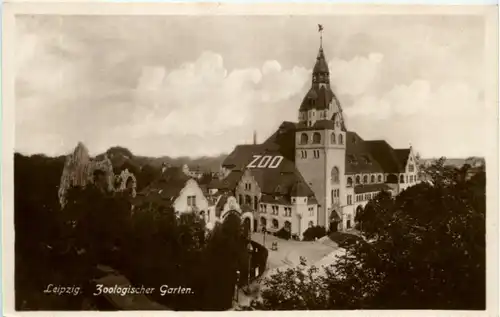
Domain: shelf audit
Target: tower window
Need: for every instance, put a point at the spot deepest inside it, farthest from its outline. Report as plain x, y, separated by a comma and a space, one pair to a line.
335, 175
332, 138
380, 178
372, 179
349, 181
365, 179
358, 180
316, 138
341, 139
304, 138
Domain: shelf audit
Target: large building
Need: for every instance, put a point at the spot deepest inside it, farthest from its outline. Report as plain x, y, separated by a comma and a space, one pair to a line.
314, 171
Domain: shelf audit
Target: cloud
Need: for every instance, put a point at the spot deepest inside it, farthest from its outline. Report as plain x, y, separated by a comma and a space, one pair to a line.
354, 77
431, 117
203, 99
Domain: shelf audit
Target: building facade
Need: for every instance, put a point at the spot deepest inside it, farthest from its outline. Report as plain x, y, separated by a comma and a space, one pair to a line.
314, 171
174, 189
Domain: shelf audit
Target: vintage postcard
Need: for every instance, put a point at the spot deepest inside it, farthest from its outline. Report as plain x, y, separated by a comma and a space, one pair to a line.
216, 157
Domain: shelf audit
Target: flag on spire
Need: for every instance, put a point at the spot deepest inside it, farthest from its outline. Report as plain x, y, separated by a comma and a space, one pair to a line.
320, 30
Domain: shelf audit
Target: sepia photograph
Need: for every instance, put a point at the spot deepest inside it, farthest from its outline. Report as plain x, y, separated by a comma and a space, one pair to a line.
251, 158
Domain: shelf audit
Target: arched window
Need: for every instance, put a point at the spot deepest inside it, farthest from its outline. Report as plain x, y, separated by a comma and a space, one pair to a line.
358, 180
333, 139
380, 178
255, 203
316, 138
402, 179
335, 175
248, 200
365, 179
372, 180
263, 221
349, 181
275, 223
304, 138
341, 139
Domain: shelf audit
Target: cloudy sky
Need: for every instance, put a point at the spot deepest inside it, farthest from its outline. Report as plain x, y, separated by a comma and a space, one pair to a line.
172, 85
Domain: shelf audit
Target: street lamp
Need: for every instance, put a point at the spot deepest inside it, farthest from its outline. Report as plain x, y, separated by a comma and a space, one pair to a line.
250, 251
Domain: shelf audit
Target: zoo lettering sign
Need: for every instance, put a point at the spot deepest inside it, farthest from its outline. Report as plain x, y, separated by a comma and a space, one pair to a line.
265, 161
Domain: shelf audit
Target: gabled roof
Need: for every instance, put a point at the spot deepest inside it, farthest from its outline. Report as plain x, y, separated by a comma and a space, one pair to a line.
385, 156
165, 188
403, 156
359, 159
241, 155
274, 181
283, 140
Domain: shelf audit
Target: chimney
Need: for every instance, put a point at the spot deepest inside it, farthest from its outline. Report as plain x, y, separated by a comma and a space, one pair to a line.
254, 137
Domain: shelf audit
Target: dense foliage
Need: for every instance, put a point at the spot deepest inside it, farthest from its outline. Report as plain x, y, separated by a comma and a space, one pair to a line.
283, 234
150, 246
425, 249
313, 233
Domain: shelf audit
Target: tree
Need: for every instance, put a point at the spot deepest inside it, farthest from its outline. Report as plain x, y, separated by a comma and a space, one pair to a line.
225, 256
145, 176
421, 241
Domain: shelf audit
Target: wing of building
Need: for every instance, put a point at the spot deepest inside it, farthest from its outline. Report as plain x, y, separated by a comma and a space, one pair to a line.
314, 171
173, 189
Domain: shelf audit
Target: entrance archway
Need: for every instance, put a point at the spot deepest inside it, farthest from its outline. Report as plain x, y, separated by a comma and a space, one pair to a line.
334, 221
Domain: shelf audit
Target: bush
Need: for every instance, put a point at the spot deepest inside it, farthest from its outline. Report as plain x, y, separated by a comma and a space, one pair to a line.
314, 232
283, 234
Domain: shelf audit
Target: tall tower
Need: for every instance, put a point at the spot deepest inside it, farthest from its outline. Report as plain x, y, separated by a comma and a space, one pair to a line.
320, 143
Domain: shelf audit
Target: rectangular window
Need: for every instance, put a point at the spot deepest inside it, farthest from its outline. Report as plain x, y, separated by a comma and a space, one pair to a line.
411, 168
349, 199
191, 201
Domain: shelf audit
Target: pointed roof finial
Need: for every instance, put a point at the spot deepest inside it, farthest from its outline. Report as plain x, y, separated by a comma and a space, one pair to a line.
320, 30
